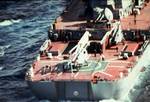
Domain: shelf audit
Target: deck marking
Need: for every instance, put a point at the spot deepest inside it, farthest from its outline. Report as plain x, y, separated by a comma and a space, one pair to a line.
60, 74
119, 62
105, 73
112, 59
135, 49
76, 74
117, 66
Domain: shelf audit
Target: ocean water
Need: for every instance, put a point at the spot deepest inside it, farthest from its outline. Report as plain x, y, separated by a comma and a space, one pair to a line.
23, 28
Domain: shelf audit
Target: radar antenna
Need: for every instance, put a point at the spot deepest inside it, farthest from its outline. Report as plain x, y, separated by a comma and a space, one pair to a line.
103, 13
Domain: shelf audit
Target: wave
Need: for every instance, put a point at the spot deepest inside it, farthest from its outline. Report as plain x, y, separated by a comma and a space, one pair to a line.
2, 50
9, 22
1, 68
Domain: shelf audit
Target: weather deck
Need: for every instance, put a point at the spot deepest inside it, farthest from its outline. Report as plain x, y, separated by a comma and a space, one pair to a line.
111, 66
142, 20
71, 19
107, 66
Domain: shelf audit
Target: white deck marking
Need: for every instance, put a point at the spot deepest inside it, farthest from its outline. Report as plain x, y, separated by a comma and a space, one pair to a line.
105, 73
60, 74
135, 49
119, 62
76, 74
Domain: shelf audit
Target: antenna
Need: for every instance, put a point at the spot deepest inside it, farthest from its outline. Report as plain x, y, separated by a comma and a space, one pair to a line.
108, 14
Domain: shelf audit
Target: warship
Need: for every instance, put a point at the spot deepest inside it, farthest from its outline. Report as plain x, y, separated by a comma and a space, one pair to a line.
91, 50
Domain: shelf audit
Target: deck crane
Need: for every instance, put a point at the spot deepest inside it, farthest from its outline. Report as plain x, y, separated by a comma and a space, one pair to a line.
115, 33
79, 54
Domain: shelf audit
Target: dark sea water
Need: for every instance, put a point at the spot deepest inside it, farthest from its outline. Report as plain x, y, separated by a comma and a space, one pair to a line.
23, 28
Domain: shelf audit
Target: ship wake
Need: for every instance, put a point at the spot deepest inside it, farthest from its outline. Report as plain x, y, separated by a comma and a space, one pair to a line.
132, 80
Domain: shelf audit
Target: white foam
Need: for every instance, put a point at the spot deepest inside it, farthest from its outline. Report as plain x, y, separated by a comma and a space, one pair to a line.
2, 52
2, 49
110, 100
1, 68
134, 75
9, 22
16, 21
6, 46
133, 79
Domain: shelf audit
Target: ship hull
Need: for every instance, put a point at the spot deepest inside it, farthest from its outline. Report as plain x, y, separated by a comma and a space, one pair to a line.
75, 90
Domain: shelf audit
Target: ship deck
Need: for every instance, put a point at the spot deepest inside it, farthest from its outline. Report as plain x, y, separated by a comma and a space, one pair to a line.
142, 20
108, 66
71, 19
109, 69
